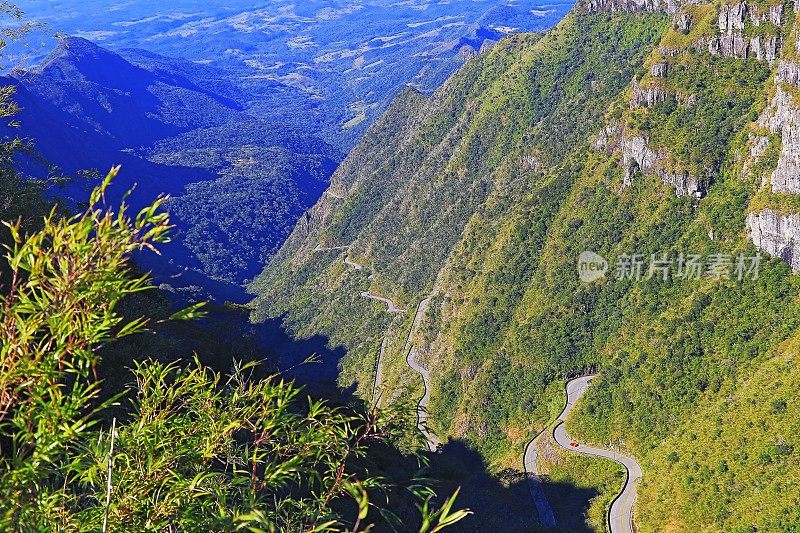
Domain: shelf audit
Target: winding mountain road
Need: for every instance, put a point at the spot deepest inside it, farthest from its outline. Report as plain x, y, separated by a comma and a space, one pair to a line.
412, 357
392, 308
422, 407
376, 384
321, 248
621, 514
531, 461
415, 363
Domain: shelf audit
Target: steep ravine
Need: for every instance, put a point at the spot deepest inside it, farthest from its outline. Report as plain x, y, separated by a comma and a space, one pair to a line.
635, 129
412, 359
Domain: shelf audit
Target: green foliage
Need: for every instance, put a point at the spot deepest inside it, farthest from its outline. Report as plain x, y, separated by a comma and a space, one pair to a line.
486, 197
206, 452
233, 224
65, 283
461, 157
697, 135
745, 446
194, 450
703, 23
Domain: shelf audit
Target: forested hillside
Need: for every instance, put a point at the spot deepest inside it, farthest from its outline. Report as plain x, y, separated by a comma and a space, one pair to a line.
640, 131
165, 444
241, 112
178, 129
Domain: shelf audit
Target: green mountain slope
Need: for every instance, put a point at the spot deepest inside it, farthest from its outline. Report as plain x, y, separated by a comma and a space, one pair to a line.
636, 131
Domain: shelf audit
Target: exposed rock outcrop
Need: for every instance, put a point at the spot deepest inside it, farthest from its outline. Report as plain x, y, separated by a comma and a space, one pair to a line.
773, 15
788, 72
765, 48
487, 46
685, 184
659, 70
731, 40
635, 152
647, 96
686, 99
683, 23
782, 116
318, 215
776, 234
758, 145
531, 162
728, 45
467, 52
668, 52
776, 14
731, 18
638, 156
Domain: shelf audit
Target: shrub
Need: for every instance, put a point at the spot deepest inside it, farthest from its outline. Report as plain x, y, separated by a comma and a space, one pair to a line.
194, 451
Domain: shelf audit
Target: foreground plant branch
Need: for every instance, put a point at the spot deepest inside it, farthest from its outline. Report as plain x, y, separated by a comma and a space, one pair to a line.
194, 450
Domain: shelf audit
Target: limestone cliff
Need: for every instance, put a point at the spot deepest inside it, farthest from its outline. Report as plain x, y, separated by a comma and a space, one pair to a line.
777, 235
734, 41
774, 229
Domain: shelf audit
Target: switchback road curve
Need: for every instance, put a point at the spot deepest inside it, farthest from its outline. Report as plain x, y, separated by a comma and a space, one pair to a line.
621, 514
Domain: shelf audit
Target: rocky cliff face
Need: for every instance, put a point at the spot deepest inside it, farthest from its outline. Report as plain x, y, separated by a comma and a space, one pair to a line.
659, 70
647, 96
788, 72
776, 234
783, 117
775, 231
739, 30
637, 156
732, 40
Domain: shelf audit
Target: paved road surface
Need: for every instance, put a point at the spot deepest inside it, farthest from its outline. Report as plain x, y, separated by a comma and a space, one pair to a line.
412, 359
376, 385
414, 362
392, 309
422, 413
621, 515
423, 305
321, 248
531, 461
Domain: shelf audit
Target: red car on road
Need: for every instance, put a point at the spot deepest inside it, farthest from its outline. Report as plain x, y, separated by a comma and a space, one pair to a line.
573, 444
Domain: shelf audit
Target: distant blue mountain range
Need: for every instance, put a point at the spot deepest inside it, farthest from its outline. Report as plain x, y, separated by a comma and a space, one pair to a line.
245, 129
346, 58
